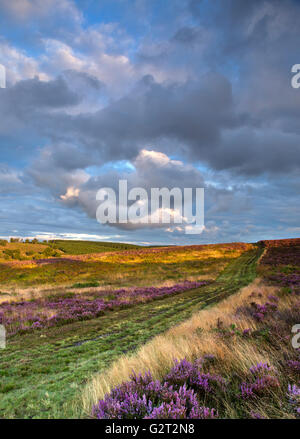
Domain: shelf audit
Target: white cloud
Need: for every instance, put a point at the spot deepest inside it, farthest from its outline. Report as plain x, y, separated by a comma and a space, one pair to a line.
72, 192
74, 236
114, 70
19, 65
146, 157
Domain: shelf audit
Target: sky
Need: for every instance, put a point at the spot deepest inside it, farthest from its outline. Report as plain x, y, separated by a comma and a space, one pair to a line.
168, 93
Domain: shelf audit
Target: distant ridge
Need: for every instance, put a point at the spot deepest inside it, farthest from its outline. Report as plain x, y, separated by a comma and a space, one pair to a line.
280, 242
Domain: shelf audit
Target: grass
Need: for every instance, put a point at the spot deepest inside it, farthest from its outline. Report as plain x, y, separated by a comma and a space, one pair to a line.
123, 268
42, 374
85, 247
219, 330
194, 339
21, 251
38, 250
85, 284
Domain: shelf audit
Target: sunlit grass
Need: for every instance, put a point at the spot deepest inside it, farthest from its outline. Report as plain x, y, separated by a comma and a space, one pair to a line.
125, 268
43, 373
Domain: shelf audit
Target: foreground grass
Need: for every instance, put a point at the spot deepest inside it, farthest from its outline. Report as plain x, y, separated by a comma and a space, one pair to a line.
42, 374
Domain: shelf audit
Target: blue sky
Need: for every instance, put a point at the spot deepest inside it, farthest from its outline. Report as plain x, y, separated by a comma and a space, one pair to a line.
187, 93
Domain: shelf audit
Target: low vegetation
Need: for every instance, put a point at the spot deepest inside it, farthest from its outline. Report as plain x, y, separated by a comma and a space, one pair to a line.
234, 360
29, 316
122, 268
85, 247
26, 250
44, 372
204, 336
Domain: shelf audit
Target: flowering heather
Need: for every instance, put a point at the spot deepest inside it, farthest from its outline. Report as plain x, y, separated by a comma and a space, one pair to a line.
291, 280
293, 390
282, 256
259, 312
20, 317
260, 387
292, 242
256, 415
181, 404
285, 265
294, 365
142, 397
182, 392
171, 411
203, 413
260, 369
188, 373
293, 395
260, 382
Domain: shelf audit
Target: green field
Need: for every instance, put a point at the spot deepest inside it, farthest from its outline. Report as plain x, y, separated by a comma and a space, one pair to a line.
17, 250
132, 267
85, 247
43, 373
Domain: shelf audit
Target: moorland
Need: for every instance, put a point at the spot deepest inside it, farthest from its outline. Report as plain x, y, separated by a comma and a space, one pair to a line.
206, 325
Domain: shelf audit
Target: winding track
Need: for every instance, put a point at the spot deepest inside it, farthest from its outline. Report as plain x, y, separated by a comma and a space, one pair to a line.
71, 353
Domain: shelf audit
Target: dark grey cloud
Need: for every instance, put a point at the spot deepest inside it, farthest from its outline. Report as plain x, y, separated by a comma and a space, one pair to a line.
209, 118
82, 81
187, 35
34, 94
28, 101
199, 120
194, 112
206, 82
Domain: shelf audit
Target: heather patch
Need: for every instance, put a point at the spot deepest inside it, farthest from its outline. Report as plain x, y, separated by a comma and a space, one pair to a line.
144, 397
25, 316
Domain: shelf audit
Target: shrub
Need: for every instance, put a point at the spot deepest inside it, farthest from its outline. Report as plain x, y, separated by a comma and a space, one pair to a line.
142, 397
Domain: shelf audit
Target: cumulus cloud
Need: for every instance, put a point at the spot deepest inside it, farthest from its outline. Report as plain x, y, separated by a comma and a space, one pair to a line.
155, 101
113, 69
192, 114
18, 64
76, 188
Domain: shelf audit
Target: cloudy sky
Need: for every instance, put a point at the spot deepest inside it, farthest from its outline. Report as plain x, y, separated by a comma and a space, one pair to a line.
186, 93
